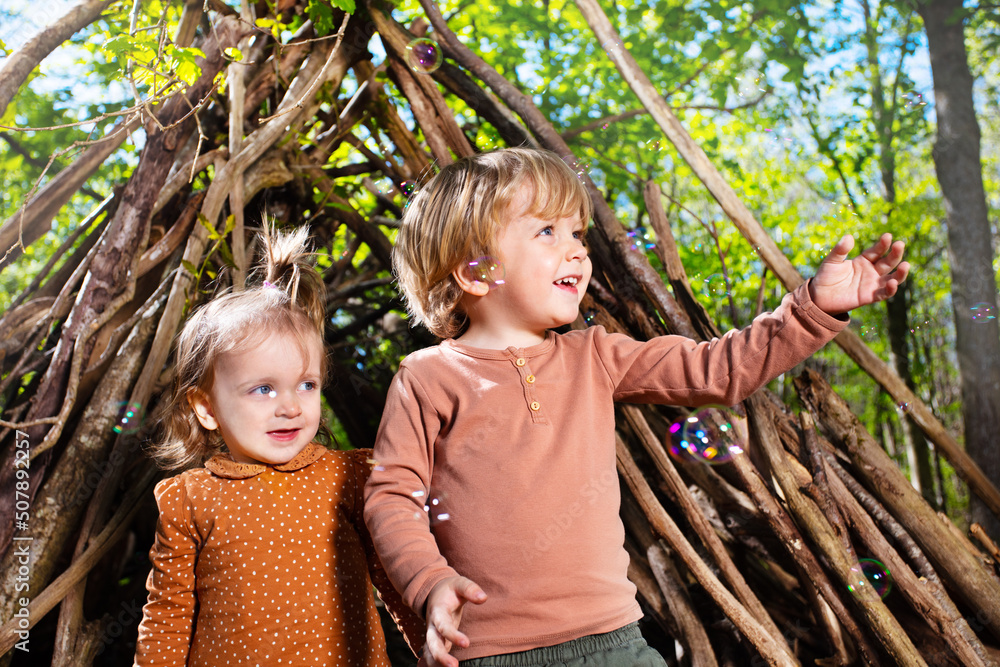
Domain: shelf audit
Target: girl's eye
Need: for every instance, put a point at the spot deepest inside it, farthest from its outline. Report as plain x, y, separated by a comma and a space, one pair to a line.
546, 232
262, 390
308, 385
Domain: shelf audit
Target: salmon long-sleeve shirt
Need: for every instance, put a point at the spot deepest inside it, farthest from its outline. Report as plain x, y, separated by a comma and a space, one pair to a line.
267, 565
499, 465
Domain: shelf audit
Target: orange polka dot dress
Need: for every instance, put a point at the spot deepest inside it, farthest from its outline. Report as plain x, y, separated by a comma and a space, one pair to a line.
267, 565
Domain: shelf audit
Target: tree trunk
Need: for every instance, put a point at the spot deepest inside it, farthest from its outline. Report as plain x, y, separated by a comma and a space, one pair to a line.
970, 244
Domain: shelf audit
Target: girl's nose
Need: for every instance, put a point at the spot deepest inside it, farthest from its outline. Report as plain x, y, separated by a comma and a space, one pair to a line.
288, 405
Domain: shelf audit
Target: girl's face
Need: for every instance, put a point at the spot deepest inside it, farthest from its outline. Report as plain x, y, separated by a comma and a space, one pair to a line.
265, 401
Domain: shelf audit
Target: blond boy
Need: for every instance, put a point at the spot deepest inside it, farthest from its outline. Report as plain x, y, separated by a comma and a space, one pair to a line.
496, 479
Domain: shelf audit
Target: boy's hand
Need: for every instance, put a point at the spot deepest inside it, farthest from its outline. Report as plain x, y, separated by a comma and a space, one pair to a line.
444, 613
841, 286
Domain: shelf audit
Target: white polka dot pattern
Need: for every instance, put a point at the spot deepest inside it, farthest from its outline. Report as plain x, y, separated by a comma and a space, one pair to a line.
255, 565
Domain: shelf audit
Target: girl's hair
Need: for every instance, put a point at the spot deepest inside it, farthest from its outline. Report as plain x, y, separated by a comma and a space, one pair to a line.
459, 216
284, 295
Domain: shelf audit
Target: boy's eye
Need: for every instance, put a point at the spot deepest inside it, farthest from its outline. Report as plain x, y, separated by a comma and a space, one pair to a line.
547, 231
262, 390
308, 385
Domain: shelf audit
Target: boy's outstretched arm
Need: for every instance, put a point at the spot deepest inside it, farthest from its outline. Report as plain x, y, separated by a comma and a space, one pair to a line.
444, 614
840, 286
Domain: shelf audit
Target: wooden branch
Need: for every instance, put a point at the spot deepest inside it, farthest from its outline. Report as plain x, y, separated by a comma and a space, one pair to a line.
59, 505
396, 38
692, 632
772, 650
109, 537
19, 65
236, 79
844, 565
794, 543
880, 473
18, 148
928, 597
31, 222
769, 252
680, 494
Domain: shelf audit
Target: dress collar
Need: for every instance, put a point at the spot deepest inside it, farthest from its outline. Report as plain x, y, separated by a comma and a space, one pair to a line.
223, 465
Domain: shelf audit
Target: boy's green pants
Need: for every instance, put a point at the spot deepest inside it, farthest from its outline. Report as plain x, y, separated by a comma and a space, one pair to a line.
624, 647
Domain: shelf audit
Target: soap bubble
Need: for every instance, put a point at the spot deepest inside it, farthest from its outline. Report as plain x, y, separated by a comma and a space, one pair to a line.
715, 285
384, 186
983, 312
408, 188
613, 47
903, 406
640, 239
869, 332
129, 418
751, 83
871, 574
423, 55
437, 508
487, 270
709, 435
913, 100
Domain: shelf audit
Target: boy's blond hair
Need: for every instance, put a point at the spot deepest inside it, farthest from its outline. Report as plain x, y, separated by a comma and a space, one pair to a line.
459, 216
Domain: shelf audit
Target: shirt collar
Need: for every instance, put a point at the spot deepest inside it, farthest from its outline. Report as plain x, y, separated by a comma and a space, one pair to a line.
223, 465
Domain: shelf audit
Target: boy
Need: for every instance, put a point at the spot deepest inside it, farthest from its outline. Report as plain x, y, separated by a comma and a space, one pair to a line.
496, 479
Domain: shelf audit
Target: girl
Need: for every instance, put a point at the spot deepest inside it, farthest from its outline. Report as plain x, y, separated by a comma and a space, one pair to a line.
261, 556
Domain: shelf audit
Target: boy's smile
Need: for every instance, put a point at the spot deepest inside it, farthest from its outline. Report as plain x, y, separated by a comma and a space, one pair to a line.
546, 273
265, 401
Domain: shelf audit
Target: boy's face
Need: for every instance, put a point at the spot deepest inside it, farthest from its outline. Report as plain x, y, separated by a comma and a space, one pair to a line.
546, 270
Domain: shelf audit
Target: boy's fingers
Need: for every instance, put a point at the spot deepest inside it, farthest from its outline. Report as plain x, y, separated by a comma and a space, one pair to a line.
877, 249
842, 249
887, 263
436, 651
472, 592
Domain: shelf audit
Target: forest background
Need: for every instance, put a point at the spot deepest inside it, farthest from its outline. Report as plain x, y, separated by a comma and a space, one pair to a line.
821, 116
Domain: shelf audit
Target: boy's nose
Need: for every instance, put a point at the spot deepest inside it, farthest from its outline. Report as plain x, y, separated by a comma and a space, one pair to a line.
577, 251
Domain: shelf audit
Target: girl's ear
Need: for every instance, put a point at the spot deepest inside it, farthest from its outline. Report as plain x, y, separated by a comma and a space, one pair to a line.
465, 278
202, 406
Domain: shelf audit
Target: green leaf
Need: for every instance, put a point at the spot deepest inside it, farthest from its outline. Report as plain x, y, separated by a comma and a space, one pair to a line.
233, 53
346, 5
189, 267
212, 233
321, 15
227, 255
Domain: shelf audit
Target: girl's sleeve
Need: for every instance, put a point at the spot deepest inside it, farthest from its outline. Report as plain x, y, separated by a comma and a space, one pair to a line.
410, 624
167, 625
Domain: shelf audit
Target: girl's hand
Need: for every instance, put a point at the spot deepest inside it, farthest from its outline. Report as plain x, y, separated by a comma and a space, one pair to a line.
444, 613
841, 286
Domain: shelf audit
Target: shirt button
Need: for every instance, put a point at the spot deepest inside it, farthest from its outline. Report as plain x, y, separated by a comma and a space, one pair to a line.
519, 362
536, 406
530, 379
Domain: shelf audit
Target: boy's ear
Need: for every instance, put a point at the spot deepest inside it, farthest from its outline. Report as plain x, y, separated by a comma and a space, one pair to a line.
467, 281
202, 406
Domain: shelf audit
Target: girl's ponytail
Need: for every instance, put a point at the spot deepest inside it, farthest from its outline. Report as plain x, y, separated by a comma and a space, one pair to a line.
286, 266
